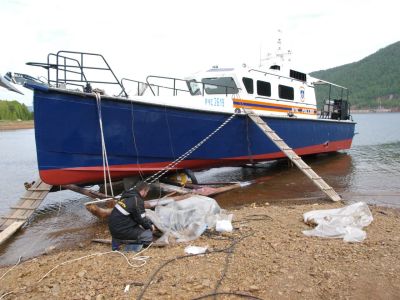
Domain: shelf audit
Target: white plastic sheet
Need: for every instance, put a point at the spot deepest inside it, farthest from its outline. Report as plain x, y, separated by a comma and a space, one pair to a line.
224, 223
185, 220
346, 222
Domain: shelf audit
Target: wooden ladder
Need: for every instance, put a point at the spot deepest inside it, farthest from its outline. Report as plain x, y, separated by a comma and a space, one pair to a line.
280, 143
23, 209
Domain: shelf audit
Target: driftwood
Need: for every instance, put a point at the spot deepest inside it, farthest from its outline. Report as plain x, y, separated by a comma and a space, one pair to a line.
99, 211
102, 241
194, 189
105, 212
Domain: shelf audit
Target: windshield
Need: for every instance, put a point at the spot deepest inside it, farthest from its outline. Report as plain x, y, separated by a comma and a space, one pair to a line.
220, 85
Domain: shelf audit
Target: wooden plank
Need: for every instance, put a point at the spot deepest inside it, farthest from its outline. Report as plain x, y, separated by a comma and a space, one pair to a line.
10, 230
33, 198
21, 207
15, 218
38, 190
25, 207
281, 144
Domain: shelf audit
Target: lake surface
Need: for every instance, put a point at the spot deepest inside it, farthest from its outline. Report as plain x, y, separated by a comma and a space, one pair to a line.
369, 172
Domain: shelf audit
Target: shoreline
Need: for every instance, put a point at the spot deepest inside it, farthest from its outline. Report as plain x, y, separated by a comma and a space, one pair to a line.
15, 125
269, 257
374, 111
29, 124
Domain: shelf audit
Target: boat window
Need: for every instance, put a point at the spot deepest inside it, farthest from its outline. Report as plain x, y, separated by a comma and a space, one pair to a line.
194, 87
298, 75
275, 67
263, 88
248, 84
286, 92
220, 85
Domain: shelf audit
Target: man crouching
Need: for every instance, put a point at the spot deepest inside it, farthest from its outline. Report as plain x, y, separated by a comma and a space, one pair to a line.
128, 221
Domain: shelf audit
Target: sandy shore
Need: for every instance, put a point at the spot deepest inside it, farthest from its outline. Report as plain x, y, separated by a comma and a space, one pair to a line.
266, 256
13, 125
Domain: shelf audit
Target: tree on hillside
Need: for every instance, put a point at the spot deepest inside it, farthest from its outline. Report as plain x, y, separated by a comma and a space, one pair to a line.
13, 110
372, 81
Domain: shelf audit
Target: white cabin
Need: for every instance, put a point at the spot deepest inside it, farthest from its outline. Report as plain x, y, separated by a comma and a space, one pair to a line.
274, 91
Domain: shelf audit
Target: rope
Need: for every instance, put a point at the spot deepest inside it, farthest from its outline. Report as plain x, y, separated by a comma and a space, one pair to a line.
228, 249
169, 136
106, 167
37, 240
143, 260
242, 295
8, 293
173, 164
134, 142
9, 270
32, 245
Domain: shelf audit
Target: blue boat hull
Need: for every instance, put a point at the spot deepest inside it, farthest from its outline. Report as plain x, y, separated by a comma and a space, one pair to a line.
142, 137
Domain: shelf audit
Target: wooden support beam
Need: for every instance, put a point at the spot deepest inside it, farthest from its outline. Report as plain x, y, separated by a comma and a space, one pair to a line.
10, 230
172, 188
86, 192
21, 207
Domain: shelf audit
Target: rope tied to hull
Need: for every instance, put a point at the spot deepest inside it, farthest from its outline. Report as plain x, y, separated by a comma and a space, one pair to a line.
106, 166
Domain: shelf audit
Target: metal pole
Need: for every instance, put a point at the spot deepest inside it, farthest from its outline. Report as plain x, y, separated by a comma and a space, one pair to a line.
65, 70
329, 100
81, 66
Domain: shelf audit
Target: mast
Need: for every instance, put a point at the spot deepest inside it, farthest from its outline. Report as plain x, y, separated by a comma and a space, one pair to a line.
277, 58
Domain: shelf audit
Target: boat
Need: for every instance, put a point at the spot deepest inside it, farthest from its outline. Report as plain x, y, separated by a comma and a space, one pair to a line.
84, 134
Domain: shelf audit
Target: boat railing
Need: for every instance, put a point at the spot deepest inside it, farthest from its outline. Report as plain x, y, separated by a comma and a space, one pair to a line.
336, 109
176, 85
82, 69
141, 86
155, 88
77, 69
201, 87
335, 105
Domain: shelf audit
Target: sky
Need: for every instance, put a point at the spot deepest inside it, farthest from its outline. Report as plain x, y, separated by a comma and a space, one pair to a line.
181, 37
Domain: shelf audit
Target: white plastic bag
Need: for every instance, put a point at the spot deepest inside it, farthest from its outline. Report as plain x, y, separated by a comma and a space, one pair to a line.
346, 222
224, 223
195, 249
185, 220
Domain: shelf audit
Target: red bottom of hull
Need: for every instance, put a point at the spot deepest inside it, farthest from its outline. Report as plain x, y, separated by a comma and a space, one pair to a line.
95, 174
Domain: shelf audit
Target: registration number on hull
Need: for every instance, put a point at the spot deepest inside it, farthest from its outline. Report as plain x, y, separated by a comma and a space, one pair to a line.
214, 102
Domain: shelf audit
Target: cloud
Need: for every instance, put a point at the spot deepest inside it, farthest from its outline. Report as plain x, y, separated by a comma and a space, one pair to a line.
179, 37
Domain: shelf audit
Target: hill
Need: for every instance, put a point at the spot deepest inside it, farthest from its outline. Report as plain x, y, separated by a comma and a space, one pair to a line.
13, 110
373, 81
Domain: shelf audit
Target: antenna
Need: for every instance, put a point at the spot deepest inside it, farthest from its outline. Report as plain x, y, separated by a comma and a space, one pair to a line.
279, 57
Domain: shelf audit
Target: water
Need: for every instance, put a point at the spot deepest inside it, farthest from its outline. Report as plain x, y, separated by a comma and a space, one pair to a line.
369, 172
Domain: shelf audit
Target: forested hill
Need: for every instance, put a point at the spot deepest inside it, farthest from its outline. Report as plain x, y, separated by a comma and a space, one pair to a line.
372, 81
13, 110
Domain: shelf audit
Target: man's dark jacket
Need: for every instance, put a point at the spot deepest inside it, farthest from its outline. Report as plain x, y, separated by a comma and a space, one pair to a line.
127, 215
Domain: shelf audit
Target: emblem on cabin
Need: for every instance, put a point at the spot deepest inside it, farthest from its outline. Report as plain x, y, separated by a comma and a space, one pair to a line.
302, 94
